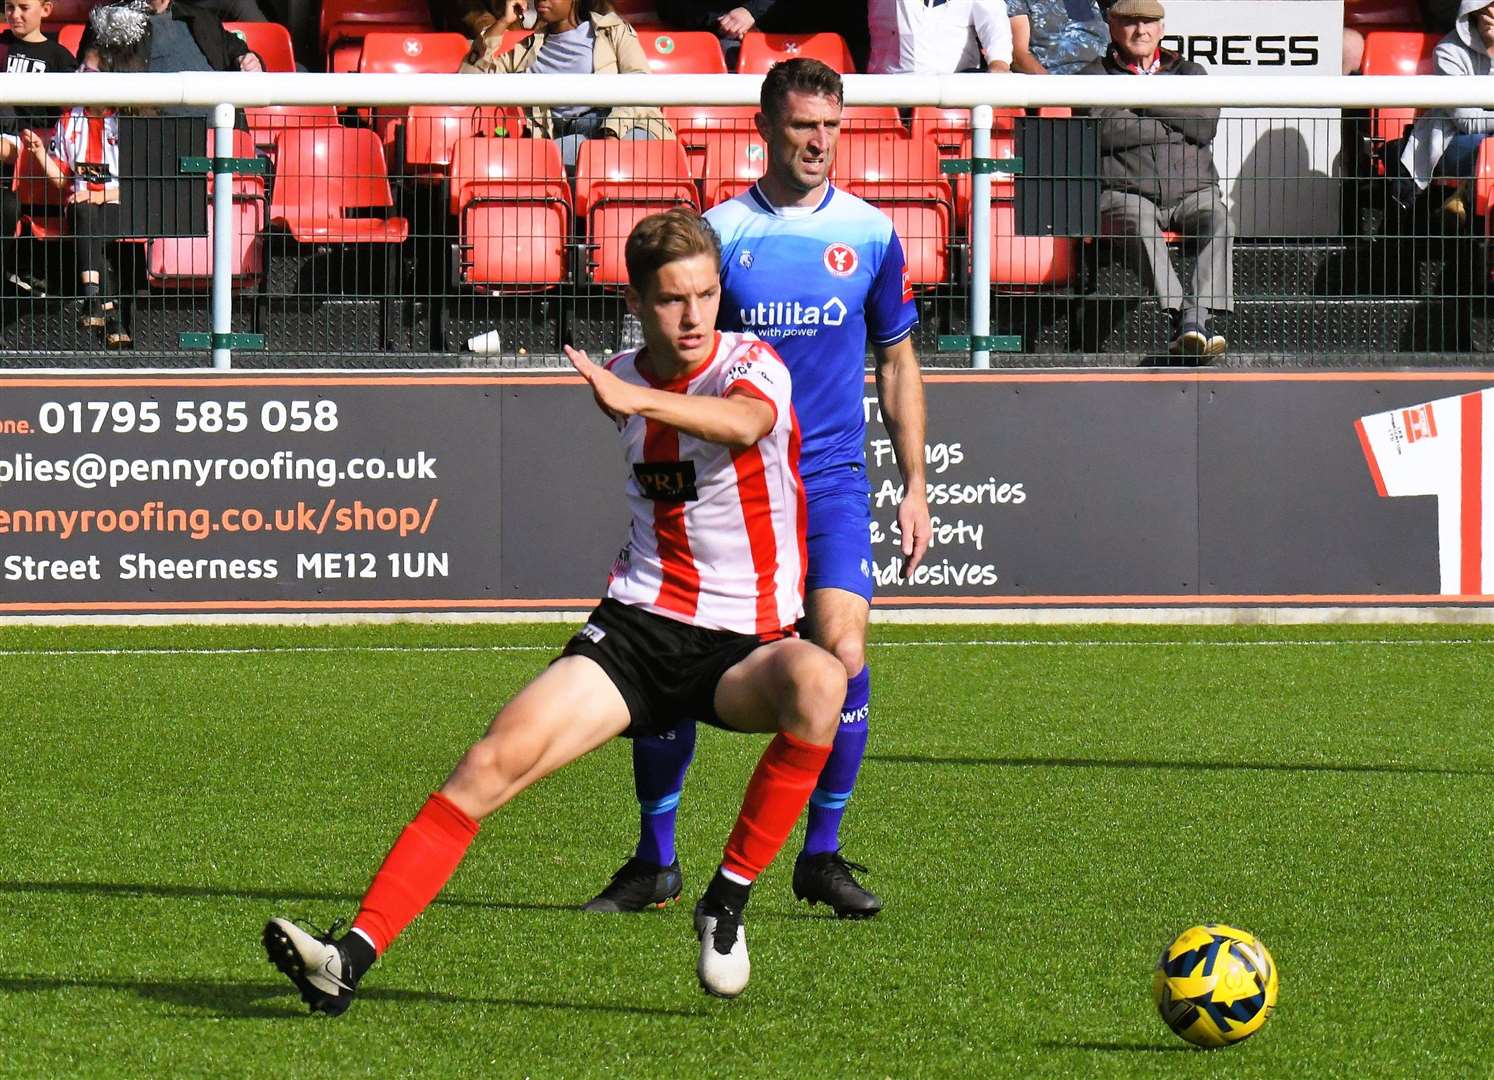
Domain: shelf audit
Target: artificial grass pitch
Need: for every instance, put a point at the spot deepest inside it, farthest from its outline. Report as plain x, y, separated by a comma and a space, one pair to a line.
1043, 809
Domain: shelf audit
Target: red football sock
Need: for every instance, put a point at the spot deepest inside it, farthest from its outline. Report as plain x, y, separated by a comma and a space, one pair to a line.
776, 796
415, 870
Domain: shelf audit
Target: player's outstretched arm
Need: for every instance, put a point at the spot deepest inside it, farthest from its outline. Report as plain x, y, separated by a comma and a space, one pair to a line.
737, 421
900, 393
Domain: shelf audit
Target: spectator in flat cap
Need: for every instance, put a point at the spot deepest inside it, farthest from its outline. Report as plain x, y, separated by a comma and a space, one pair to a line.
1157, 175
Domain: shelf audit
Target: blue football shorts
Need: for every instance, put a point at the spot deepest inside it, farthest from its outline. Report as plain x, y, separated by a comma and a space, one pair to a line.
839, 537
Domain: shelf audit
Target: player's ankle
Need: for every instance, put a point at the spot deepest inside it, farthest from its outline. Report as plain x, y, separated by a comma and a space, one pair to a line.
723, 892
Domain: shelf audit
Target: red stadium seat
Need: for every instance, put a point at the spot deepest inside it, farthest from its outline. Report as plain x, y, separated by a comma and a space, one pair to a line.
948, 129
761, 51
733, 162
406, 54
1394, 52
1369, 14
1003, 184
682, 52
271, 42
901, 177
70, 36
187, 262
872, 118
345, 22
532, 166
41, 202
322, 173
1027, 261
68, 11
513, 206
268, 122
1398, 52
1016, 261
431, 132
692, 123
618, 182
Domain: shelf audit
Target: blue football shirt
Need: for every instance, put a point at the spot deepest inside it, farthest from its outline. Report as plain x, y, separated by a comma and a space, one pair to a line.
817, 287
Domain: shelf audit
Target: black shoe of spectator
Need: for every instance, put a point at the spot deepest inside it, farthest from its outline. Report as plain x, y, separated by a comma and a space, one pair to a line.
1190, 336
25, 284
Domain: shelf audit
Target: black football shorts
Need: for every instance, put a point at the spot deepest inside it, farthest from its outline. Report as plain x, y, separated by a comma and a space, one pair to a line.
666, 670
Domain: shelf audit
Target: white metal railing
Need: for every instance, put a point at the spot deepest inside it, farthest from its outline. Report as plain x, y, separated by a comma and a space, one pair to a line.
979, 93
949, 91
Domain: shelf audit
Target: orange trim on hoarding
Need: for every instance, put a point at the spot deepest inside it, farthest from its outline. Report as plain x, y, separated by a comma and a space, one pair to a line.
1176, 600
285, 380
1471, 576
1132, 375
1369, 457
232, 378
577, 604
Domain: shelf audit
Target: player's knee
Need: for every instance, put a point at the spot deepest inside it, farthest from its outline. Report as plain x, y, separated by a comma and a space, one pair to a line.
820, 688
851, 652
494, 764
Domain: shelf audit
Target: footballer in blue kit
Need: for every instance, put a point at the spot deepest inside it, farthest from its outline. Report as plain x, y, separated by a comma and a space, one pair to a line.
818, 274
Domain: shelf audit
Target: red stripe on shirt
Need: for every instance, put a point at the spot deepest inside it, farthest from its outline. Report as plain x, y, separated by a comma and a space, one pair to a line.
757, 517
801, 526
680, 589
1473, 495
1369, 456
95, 151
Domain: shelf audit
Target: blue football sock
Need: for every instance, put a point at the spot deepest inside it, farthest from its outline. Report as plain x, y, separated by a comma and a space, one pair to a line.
659, 764
827, 805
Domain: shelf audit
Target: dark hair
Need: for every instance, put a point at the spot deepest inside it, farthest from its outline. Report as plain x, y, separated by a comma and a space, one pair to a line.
805, 75
587, 8
665, 238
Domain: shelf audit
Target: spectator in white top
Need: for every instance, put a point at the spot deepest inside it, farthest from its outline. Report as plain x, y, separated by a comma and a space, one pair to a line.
938, 37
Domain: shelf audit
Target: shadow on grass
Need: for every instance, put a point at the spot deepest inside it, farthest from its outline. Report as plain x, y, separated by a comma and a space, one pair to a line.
223, 892
276, 1001
1123, 1047
1182, 766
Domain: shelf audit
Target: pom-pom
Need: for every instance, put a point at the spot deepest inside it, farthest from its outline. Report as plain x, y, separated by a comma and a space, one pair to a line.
120, 26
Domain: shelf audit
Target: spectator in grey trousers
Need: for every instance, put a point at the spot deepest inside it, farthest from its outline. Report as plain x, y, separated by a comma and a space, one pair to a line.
1157, 174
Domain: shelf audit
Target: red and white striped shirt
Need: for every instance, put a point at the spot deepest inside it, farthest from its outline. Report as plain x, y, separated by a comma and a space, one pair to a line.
82, 141
717, 537
1443, 448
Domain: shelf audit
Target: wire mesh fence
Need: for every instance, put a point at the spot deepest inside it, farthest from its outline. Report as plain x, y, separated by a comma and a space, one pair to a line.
444, 236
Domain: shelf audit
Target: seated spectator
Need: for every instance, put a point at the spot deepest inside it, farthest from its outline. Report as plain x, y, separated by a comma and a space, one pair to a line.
1157, 173
914, 37
575, 37
186, 37
1445, 142
24, 49
85, 162
1055, 37
729, 20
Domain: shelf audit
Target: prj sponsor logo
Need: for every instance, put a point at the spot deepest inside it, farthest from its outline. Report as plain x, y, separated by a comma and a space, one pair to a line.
787, 318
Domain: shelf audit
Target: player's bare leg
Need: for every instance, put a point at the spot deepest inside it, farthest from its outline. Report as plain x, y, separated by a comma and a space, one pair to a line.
836, 620
570, 709
795, 689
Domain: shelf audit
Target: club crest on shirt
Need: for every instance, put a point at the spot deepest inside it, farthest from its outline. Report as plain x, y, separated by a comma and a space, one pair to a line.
841, 260
744, 260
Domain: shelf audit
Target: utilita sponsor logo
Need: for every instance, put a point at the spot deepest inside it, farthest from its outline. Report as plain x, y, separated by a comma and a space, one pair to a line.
783, 314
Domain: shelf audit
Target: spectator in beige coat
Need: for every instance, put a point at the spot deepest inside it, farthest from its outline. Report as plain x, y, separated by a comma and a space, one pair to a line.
573, 37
